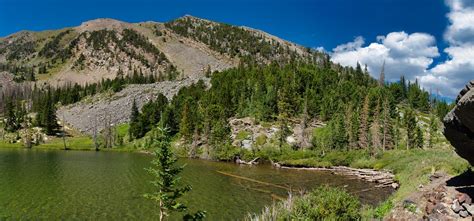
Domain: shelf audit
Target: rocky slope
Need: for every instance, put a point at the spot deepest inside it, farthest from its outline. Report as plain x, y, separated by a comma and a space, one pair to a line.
459, 124
90, 113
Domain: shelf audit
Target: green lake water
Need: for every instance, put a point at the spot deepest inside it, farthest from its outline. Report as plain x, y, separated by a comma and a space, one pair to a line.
77, 185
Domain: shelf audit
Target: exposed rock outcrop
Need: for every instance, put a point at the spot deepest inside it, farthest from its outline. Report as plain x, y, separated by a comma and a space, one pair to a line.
249, 134
459, 124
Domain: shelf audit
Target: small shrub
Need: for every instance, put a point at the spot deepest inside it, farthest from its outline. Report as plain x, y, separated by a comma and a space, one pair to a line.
383, 209
242, 135
261, 140
326, 203
323, 203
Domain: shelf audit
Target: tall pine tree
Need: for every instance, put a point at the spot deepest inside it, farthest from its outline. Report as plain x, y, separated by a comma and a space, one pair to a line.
387, 138
135, 126
364, 124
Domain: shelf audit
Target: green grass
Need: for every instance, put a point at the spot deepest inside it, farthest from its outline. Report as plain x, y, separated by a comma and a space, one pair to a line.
73, 143
413, 167
242, 135
4, 144
122, 129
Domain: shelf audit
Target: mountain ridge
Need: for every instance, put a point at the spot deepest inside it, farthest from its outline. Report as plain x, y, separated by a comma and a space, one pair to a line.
103, 48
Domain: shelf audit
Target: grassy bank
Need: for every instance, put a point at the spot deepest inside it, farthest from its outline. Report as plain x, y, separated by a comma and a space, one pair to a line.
84, 143
411, 168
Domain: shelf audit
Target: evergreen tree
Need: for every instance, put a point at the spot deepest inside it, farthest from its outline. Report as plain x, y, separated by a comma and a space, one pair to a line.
48, 115
387, 139
411, 125
167, 183
376, 138
339, 132
135, 126
403, 83
185, 126
11, 123
419, 140
433, 130
364, 124
352, 126
396, 131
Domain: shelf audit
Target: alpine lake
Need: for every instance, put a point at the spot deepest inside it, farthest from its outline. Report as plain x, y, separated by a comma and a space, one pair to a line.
89, 185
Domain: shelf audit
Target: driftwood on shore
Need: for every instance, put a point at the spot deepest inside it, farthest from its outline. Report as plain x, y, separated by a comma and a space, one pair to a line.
382, 178
252, 162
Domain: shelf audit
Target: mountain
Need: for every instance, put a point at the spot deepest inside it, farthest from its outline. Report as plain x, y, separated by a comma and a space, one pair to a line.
105, 48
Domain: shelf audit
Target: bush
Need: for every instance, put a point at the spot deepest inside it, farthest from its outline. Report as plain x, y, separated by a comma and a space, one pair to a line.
327, 203
323, 203
383, 209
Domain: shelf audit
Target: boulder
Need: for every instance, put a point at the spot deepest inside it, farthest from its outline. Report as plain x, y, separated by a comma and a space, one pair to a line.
463, 214
459, 124
456, 206
464, 198
469, 208
430, 208
247, 144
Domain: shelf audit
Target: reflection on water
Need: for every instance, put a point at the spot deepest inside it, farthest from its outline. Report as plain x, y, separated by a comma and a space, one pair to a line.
36, 184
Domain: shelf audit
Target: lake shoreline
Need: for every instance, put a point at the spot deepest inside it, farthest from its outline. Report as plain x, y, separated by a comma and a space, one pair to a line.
384, 178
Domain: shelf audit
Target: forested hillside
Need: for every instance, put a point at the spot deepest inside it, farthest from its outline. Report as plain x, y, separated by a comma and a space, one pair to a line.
360, 112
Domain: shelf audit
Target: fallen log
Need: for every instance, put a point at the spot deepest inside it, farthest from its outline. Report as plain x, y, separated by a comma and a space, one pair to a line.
383, 178
253, 180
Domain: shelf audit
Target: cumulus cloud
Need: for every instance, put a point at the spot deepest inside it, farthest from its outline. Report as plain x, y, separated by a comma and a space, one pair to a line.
357, 43
412, 54
404, 54
451, 75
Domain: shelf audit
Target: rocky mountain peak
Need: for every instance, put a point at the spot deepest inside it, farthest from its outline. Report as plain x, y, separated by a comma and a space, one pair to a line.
101, 24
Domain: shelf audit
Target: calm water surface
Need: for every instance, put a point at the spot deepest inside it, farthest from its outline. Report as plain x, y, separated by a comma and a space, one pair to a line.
75, 185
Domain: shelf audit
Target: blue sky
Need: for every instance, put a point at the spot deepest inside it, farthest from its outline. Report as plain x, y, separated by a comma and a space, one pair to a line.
312, 23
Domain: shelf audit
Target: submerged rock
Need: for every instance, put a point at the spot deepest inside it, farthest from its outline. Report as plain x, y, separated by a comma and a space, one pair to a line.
459, 124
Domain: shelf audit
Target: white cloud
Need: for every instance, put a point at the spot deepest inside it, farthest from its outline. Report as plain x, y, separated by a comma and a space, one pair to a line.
404, 54
320, 49
412, 54
461, 18
357, 43
451, 75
